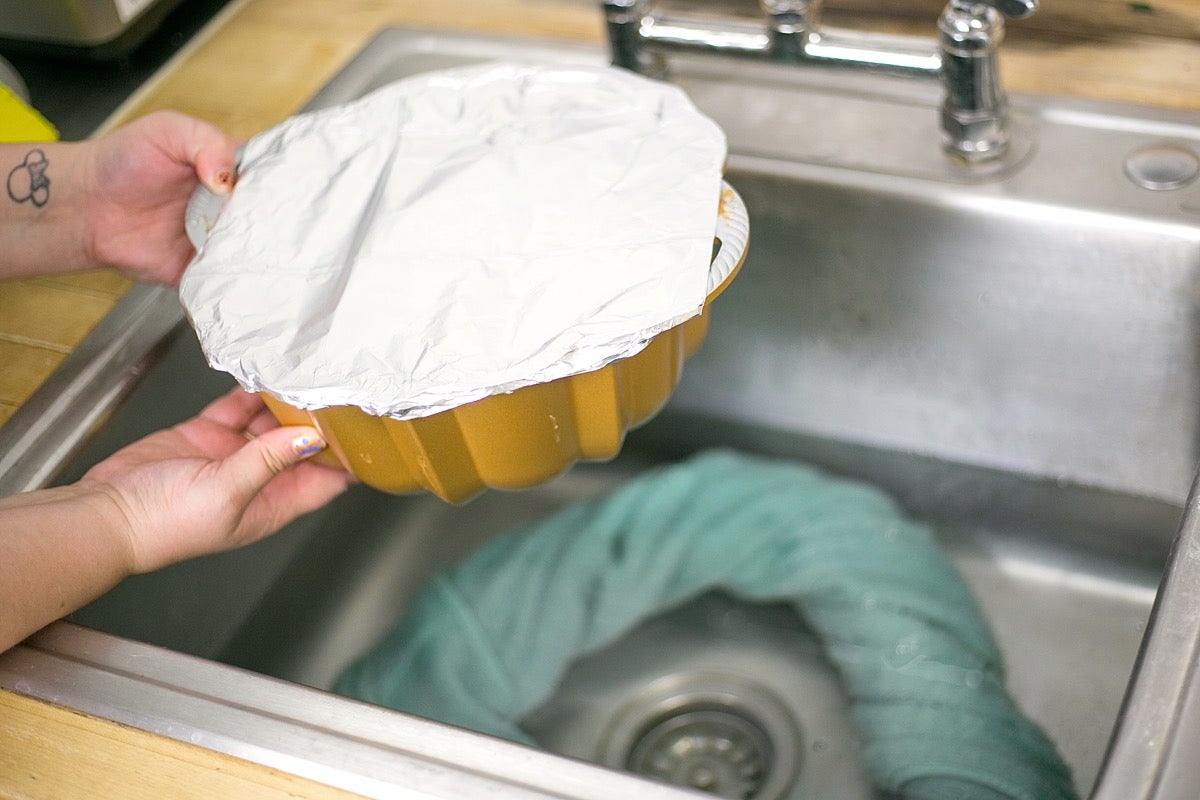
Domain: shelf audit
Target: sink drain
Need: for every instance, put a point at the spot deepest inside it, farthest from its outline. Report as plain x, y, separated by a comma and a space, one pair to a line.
718, 734
716, 750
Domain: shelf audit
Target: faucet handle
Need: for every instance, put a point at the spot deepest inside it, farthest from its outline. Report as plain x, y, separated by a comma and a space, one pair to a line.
1016, 9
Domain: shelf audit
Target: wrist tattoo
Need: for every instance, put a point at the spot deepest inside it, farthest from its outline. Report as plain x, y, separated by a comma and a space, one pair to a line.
28, 182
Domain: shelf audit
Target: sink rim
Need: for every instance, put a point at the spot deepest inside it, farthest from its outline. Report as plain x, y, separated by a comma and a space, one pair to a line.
45, 432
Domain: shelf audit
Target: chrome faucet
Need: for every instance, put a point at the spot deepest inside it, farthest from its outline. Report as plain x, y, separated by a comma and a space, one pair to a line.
974, 114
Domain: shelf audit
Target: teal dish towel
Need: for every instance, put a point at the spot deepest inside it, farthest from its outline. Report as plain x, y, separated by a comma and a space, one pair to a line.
488, 640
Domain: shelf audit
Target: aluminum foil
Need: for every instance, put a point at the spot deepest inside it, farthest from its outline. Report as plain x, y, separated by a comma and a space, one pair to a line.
459, 234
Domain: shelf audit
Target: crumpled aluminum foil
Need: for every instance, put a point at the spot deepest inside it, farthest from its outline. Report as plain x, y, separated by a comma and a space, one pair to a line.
459, 234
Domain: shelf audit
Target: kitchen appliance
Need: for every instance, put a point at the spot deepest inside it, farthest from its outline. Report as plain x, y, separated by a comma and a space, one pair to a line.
91, 28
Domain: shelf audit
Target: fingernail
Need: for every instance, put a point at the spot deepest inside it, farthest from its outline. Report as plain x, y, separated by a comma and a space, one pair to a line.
308, 446
223, 181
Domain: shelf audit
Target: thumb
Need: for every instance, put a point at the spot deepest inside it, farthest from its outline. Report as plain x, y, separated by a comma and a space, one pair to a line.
211, 152
252, 467
216, 160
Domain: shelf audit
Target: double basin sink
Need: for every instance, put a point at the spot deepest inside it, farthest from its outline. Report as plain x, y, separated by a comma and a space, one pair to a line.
1010, 352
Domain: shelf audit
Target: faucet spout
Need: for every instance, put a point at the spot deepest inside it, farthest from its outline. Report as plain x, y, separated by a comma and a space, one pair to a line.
974, 115
791, 24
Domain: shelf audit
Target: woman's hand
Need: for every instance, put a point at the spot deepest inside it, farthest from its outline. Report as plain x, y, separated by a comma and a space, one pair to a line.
136, 182
114, 201
224, 479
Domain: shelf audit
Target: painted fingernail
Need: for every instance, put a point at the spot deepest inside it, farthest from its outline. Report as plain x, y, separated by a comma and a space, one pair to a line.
308, 446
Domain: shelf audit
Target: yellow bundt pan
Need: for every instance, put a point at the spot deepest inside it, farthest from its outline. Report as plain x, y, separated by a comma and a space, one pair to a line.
531, 435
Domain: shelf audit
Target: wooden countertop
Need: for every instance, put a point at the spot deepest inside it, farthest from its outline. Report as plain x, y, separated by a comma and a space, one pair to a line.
259, 60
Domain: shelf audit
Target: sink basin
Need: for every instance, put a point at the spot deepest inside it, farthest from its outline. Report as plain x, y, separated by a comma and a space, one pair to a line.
1010, 353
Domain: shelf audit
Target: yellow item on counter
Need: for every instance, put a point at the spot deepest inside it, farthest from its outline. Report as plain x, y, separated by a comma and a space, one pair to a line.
20, 123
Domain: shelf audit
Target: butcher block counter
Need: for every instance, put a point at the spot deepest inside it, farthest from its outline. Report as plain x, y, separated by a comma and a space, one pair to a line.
255, 64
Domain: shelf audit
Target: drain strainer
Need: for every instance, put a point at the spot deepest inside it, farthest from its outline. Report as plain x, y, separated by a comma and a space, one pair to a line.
716, 750
715, 733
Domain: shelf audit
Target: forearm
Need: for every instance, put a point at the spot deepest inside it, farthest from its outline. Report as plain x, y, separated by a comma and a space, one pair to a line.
59, 549
42, 222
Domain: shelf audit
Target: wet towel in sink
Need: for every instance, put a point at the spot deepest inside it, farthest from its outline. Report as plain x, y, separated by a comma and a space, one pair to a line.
489, 639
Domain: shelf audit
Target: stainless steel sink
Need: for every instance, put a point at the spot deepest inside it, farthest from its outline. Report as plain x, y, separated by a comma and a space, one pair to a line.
1010, 352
